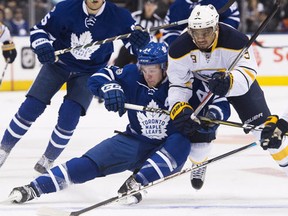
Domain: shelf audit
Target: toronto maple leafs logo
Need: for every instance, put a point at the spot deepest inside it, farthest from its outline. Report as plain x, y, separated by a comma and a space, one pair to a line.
83, 53
153, 125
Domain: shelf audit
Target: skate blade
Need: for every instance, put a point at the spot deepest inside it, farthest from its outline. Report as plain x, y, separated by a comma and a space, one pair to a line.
9, 200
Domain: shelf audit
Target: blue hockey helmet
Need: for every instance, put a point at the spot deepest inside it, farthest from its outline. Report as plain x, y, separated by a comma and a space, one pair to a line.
153, 53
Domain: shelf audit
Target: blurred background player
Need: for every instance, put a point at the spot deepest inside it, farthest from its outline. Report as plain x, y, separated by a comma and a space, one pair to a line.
181, 10
69, 24
147, 18
148, 135
204, 53
8, 48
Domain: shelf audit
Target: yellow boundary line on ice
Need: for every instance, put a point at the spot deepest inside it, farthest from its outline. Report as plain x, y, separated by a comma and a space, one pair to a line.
25, 85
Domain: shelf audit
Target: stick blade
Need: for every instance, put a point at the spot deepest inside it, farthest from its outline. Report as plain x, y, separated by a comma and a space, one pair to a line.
47, 211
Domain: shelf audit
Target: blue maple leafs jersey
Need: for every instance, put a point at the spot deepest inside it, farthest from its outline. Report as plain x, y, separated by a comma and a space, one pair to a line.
143, 125
181, 10
69, 25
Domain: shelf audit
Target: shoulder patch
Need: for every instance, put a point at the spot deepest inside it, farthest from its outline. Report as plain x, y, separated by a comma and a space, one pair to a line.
230, 38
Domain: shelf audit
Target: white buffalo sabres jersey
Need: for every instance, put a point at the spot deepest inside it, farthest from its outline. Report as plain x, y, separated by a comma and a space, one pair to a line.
187, 62
4, 33
285, 114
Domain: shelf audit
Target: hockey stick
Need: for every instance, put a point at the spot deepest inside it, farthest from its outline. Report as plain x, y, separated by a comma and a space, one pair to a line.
147, 109
268, 47
241, 54
205, 119
124, 36
45, 211
119, 37
226, 6
234, 124
3, 73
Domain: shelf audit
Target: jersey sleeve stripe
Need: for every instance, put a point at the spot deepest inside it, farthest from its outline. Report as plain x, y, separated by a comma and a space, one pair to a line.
250, 74
248, 83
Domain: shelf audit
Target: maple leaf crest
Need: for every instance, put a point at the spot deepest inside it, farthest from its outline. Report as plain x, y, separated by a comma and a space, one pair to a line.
82, 53
153, 125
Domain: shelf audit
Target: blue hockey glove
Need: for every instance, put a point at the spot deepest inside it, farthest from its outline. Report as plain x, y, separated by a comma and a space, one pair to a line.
181, 116
139, 38
45, 53
114, 98
273, 132
220, 84
208, 127
9, 51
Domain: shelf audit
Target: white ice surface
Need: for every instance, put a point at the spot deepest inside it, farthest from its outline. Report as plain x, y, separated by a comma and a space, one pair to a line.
249, 183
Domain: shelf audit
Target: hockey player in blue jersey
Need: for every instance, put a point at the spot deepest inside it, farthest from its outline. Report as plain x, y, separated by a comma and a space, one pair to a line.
205, 52
150, 147
181, 10
71, 23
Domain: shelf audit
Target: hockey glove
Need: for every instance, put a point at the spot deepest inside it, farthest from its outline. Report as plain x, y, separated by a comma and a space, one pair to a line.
181, 116
208, 127
9, 51
220, 84
273, 132
139, 38
114, 98
45, 53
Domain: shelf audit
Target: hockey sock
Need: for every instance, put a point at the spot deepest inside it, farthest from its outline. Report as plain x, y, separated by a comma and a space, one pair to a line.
28, 112
169, 159
68, 119
280, 155
74, 171
199, 152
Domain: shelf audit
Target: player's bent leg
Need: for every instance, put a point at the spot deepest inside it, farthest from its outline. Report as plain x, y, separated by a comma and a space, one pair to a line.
68, 119
198, 154
169, 159
74, 171
28, 112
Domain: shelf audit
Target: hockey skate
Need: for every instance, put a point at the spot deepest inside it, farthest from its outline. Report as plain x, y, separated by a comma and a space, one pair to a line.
130, 185
197, 177
3, 156
23, 194
43, 164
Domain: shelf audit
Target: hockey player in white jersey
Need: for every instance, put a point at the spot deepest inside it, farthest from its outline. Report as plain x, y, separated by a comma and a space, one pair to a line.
8, 48
274, 140
71, 23
205, 52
